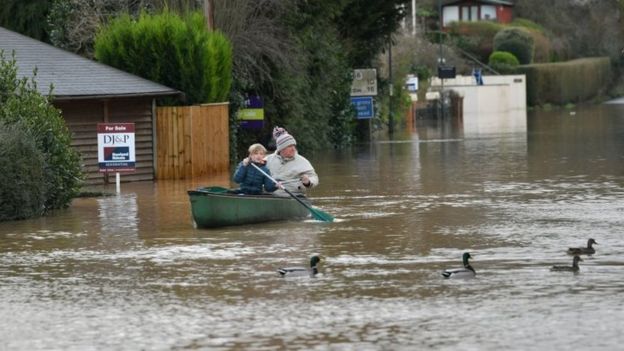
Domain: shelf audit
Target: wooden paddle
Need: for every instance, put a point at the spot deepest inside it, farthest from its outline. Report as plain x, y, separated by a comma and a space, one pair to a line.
316, 213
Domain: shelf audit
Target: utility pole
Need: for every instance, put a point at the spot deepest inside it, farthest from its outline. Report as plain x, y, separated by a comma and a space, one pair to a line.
413, 18
390, 118
209, 14
441, 61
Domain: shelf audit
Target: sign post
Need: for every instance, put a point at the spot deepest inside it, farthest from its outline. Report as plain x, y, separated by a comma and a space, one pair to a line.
363, 106
363, 89
116, 149
364, 82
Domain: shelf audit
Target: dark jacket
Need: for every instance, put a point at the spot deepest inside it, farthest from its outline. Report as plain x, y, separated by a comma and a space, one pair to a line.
251, 180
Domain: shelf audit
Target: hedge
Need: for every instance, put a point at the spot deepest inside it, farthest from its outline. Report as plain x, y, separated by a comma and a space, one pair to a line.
566, 82
179, 52
21, 103
22, 184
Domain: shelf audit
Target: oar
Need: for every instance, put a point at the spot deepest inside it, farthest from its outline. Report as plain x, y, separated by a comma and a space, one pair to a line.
316, 213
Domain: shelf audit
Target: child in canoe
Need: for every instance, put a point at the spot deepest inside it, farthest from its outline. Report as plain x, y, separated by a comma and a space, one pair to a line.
251, 181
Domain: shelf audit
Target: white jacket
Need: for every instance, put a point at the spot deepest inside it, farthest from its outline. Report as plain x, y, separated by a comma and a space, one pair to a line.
289, 172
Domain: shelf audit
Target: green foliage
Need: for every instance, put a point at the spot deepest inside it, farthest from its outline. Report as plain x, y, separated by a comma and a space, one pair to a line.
176, 51
26, 17
313, 102
516, 40
311, 97
475, 38
365, 26
503, 62
22, 190
565, 82
20, 102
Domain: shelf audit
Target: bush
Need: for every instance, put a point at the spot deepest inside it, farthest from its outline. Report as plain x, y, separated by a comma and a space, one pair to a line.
20, 102
475, 38
178, 52
565, 82
517, 41
22, 190
503, 62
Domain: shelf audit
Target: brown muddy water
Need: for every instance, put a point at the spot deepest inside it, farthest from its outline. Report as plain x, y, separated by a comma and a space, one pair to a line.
130, 272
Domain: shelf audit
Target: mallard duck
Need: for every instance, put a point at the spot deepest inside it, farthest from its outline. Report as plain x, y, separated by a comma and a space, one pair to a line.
466, 272
589, 250
302, 271
574, 268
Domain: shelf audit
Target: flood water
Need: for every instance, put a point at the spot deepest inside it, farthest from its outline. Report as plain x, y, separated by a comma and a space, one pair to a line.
130, 272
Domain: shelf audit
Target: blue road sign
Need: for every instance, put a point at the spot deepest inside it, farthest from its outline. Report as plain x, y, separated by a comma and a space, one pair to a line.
363, 106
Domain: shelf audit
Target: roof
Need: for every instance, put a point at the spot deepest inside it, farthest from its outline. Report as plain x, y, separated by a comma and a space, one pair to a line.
73, 76
491, 2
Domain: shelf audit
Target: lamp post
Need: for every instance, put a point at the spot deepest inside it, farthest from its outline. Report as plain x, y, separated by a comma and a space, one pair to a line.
441, 61
390, 118
440, 28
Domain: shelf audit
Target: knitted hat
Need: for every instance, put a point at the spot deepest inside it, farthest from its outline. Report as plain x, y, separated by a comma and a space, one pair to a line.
282, 138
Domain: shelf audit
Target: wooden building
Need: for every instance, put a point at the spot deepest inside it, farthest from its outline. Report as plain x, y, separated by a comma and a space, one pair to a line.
87, 93
500, 11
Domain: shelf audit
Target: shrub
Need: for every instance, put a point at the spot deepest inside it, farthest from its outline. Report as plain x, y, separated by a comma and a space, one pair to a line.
22, 190
174, 51
517, 41
475, 38
503, 61
20, 102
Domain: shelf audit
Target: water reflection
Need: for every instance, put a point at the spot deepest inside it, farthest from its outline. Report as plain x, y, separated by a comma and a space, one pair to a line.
131, 272
118, 214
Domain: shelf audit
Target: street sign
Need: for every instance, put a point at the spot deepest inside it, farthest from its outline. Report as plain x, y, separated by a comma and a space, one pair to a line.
116, 149
363, 107
446, 72
364, 82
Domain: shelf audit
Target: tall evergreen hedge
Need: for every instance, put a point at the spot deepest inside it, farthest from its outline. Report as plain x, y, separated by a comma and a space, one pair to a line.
178, 52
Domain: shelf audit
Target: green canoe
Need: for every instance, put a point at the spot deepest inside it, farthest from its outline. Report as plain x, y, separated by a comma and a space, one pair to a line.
215, 207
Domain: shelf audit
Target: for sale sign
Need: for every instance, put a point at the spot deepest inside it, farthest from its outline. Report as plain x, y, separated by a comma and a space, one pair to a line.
116, 151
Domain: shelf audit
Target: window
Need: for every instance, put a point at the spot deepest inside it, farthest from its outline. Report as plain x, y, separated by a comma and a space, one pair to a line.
488, 12
474, 13
470, 13
450, 14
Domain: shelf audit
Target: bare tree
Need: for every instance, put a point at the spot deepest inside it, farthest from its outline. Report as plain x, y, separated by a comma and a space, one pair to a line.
74, 23
259, 40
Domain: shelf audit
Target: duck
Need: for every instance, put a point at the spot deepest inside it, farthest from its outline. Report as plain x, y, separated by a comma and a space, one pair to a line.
589, 250
573, 268
466, 272
315, 259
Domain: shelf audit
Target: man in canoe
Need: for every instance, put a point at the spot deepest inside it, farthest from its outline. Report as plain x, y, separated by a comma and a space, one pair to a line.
287, 166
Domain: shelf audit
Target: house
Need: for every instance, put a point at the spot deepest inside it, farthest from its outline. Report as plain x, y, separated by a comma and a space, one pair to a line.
476, 10
88, 93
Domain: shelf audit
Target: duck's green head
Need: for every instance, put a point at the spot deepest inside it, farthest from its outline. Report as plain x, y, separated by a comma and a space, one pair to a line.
590, 242
314, 260
466, 257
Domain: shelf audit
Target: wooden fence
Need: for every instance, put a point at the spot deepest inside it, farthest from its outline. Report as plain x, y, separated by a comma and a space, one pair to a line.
192, 141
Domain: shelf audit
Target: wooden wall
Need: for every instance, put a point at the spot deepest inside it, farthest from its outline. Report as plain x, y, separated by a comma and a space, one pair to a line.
82, 117
192, 141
